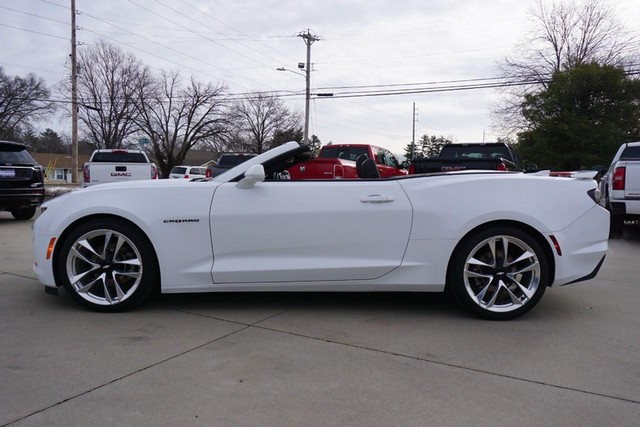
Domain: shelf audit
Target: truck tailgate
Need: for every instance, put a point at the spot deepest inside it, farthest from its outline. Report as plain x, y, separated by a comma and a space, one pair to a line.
632, 180
116, 172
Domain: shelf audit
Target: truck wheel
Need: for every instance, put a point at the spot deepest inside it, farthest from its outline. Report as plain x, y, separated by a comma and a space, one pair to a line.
499, 273
616, 224
106, 265
26, 213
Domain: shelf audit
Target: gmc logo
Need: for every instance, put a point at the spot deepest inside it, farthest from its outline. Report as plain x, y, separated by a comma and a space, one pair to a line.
125, 174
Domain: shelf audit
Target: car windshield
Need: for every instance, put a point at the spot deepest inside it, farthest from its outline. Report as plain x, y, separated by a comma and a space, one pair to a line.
15, 155
346, 153
231, 160
473, 151
119, 157
631, 153
179, 170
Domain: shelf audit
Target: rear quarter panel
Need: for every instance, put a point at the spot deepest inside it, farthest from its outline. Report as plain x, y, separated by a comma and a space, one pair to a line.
447, 207
450, 205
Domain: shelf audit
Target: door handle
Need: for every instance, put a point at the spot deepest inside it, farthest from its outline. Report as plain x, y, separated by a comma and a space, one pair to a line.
376, 198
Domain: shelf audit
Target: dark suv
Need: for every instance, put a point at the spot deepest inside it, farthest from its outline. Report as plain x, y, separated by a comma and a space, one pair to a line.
21, 181
226, 162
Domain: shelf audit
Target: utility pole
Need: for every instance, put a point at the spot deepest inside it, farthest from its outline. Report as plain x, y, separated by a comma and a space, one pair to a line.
413, 133
309, 39
74, 97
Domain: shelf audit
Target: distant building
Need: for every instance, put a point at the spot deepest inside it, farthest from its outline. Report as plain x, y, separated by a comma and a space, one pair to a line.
58, 167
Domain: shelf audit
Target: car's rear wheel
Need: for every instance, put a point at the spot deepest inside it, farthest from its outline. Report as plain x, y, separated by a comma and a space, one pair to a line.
107, 265
26, 213
499, 273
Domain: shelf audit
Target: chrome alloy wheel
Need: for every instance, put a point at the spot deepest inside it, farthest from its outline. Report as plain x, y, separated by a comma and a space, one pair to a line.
104, 267
502, 273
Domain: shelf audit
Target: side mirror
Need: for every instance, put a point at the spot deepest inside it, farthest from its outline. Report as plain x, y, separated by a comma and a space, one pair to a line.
252, 176
530, 168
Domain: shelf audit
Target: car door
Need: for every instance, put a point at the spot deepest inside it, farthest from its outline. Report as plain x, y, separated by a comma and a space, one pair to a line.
308, 231
388, 166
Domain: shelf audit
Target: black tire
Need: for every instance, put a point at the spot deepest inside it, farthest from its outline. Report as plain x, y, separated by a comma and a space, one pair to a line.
492, 285
107, 265
26, 213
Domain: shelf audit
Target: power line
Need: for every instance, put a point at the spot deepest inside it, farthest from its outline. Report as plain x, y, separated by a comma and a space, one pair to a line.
453, 88
35, 32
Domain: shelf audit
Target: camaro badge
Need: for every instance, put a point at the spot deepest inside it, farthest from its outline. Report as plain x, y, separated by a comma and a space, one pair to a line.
179, 221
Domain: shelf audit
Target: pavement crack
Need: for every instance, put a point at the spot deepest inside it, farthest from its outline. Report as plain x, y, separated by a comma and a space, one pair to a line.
450, 365
130, 374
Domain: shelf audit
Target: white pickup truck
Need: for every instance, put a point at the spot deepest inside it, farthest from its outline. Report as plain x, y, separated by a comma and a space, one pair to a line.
620, 185
117, 165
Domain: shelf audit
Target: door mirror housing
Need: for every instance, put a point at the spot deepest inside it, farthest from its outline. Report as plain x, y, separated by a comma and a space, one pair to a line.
252, 176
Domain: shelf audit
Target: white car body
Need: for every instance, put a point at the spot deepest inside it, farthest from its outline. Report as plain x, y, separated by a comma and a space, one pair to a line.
396, 234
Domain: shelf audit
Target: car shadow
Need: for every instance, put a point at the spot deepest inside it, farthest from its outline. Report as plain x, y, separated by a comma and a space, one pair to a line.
630, 232
429, 303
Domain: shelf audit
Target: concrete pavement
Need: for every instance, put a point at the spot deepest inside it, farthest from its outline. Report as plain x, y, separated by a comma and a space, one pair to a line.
319, 359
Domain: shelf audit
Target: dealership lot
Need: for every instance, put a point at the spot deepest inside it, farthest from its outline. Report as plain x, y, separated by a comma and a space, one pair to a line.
319, 359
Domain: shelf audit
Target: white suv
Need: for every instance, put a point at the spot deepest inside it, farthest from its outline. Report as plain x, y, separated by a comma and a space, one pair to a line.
187, 172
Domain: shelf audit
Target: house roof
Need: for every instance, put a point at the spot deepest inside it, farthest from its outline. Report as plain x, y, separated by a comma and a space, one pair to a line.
61, 161
197, 158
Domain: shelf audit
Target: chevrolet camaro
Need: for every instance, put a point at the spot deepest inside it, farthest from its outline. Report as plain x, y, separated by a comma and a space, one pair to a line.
495, 240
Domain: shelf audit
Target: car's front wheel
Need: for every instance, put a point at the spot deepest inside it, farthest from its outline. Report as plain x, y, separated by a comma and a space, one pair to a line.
107, 265
499, 273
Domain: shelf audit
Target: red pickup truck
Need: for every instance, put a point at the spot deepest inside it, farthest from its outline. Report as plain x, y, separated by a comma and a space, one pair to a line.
336, 161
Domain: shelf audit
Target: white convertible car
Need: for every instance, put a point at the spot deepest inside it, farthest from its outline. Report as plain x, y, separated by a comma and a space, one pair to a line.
495, 240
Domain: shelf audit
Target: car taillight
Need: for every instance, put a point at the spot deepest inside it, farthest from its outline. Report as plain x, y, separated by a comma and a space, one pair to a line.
154, 172
338, 172
85, 173
618, 178
186, 177
501, 167
412, 169
207, 174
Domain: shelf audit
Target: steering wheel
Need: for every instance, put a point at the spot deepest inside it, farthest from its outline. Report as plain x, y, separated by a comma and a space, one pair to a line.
282, 176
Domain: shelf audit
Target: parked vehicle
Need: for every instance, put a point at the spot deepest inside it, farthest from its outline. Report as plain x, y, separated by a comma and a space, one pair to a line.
117, 165
339, 161
226, 162
21, 181
187, 172
112, 246
620, 185
484, 156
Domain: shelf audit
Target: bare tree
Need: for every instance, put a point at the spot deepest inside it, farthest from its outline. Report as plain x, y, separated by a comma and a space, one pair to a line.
176, 118
108, 81
259, 117
22, 102
564, 35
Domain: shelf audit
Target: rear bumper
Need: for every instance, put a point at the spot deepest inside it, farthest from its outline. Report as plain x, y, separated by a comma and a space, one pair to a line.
584, 245
627, 208
15, 198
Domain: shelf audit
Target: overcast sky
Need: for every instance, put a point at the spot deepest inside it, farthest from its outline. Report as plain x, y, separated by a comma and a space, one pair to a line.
365, 45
